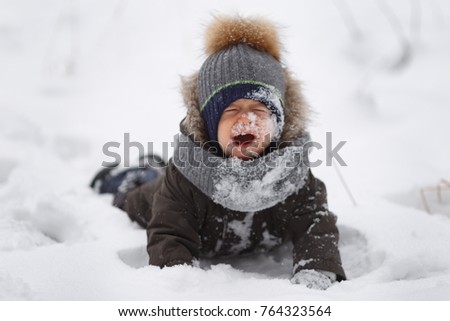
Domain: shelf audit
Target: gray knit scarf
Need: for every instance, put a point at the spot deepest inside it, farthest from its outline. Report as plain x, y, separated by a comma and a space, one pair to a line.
244, 186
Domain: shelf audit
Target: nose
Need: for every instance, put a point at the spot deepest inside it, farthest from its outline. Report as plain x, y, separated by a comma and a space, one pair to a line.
244, 118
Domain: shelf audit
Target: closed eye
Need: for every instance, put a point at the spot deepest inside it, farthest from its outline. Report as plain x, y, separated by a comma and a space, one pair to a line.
230, 110
262, 110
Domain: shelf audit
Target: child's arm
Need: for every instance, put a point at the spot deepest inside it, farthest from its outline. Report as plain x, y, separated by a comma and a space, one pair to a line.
173, 228
315, 235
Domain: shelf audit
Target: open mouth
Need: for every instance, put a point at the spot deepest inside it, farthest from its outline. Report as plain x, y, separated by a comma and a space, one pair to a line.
243, 140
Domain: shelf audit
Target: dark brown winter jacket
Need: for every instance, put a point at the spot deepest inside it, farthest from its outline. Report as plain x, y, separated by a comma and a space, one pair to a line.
187, 214
183, 224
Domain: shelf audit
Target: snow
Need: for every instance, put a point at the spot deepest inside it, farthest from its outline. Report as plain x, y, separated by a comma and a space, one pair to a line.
273, 96
78, 74
242, 229
256, 126
259, 183
314, 279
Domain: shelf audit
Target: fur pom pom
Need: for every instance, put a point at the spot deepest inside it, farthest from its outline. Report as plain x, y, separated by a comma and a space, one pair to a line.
258, 33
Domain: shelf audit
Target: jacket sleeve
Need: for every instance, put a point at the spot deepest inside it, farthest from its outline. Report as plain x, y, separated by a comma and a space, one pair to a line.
139, 202
314, 230
173, 229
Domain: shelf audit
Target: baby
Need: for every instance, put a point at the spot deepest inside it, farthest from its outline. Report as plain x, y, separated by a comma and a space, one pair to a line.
239, 180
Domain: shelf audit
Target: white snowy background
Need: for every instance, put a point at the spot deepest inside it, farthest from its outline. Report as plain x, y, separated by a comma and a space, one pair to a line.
75, 74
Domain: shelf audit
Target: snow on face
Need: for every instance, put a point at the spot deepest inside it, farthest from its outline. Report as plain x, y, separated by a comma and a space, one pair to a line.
258, 126
246, 128
264, 94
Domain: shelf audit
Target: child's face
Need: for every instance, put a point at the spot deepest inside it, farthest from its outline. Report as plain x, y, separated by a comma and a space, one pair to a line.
245, 129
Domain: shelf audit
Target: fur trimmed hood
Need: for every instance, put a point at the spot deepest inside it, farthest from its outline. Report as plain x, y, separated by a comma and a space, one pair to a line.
296, 110
262, 35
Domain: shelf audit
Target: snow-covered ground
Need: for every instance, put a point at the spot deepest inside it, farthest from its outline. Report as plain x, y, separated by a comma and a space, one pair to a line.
76, 74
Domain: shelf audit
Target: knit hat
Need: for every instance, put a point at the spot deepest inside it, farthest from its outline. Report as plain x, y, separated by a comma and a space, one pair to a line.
243, 62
